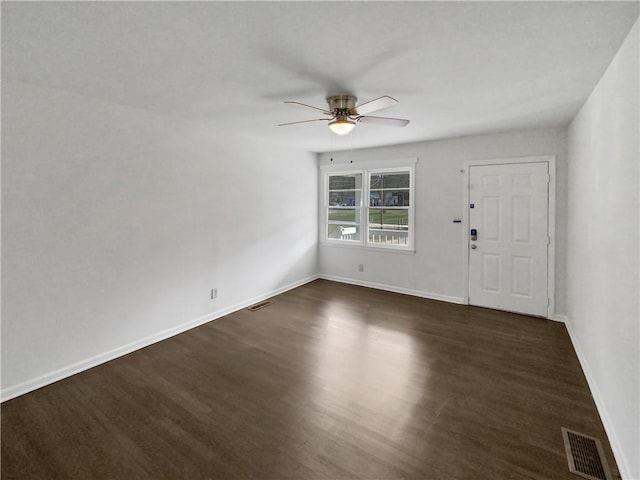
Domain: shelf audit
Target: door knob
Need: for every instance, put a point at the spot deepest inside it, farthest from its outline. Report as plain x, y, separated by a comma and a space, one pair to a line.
473, 247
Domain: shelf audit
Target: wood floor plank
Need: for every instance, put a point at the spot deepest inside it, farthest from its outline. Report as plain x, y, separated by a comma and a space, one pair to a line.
331, 381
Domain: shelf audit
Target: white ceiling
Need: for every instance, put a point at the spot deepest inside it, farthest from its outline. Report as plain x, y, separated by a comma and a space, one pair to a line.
457, 68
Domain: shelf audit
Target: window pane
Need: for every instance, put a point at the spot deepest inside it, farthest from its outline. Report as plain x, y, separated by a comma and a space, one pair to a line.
389, 198
389, 237
342, 215
396, 198
375, 198
389, 180
386, 219
345, 182
343, 232
344, 199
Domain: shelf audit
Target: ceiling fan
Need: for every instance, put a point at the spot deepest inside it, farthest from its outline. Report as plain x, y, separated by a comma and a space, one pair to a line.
344, 114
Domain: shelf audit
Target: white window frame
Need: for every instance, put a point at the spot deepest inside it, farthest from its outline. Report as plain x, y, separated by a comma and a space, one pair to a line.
366, 169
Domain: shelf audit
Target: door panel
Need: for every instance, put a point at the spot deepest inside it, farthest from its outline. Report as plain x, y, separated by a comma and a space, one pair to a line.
521, 219
490, 208
509, 210
521, 276
490, 272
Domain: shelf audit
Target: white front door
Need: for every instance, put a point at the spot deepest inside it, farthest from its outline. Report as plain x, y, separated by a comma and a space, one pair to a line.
508, 255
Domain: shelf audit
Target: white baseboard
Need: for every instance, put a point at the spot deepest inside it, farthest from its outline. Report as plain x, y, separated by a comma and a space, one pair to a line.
623, 466
64, 372
392, 288
556, 317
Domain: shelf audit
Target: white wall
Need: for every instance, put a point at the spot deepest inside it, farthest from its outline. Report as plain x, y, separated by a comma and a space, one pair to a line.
436, 269
604, 247
117, 222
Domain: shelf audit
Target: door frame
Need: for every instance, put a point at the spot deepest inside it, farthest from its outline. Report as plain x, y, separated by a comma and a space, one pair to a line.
551, 228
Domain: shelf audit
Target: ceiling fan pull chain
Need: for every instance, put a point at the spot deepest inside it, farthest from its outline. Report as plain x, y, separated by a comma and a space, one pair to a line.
331, 145
351, 151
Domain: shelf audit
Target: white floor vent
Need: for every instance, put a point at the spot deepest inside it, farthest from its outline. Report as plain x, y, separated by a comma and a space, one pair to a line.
585, 456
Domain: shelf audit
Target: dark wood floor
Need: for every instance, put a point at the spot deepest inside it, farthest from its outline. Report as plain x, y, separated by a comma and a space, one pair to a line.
331, 381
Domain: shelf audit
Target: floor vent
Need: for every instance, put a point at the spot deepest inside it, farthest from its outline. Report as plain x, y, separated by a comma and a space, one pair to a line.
258, 306
585, 455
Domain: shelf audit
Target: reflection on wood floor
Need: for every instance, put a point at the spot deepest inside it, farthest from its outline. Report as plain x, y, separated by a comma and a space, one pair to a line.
331, 381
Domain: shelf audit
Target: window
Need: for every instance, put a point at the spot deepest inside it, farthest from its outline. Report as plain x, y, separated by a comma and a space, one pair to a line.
389, 205
369, 207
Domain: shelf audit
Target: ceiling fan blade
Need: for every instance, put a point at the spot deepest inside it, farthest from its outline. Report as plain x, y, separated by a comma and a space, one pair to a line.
304, 105
373, 105
305, 121
390, 122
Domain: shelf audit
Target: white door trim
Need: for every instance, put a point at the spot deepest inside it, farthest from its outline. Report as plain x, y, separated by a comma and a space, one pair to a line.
551, 257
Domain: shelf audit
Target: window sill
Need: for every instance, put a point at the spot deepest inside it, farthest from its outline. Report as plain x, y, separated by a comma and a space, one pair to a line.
359, 246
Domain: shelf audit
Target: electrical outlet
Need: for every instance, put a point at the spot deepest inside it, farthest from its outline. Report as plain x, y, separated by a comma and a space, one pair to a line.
361, 267
214, 293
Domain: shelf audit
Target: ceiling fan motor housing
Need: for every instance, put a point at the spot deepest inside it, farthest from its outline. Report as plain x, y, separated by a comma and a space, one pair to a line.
341, 103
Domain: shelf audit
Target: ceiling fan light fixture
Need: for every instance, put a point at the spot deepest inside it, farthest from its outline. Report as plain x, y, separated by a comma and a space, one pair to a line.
341, 125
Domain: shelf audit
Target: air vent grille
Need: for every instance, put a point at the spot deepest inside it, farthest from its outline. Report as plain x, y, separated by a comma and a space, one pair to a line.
585, 456
258, 306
